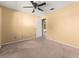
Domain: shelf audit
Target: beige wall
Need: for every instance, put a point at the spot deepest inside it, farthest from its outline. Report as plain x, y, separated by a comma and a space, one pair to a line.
63, 25
0, 28
17, 25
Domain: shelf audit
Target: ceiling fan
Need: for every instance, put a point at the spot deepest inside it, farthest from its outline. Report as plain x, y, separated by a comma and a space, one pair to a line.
36, 6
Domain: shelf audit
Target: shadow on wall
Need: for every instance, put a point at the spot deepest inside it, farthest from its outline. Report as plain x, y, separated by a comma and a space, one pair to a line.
17, 25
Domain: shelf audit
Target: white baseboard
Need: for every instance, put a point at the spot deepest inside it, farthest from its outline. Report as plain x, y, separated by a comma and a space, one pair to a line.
66, 44
18, 41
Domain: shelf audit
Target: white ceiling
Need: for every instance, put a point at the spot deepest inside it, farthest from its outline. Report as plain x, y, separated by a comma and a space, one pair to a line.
18, 5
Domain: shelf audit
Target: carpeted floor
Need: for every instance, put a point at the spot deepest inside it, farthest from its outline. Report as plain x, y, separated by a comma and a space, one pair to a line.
40, 48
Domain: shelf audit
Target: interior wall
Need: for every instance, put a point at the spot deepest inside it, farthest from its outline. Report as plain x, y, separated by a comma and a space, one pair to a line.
63, 25
0, 27
17, 25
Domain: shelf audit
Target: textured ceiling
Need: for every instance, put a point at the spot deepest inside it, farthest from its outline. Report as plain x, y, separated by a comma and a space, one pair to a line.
18, 5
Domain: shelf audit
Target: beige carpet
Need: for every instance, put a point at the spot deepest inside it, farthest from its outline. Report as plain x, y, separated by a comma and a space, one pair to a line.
40, 48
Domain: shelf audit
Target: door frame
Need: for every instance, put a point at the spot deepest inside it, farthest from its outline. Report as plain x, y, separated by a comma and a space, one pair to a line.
43, 26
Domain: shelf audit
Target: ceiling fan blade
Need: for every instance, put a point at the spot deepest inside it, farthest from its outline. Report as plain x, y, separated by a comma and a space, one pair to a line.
52, 9
42, 4
34, 4
40, 9
33, 11
28, 7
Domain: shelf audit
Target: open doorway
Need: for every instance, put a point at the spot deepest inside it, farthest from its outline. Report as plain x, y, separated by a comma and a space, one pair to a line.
41, 28
44, 27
